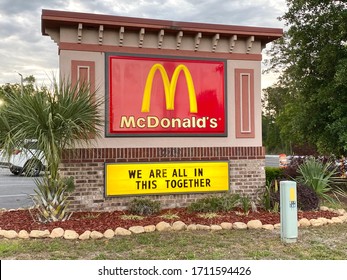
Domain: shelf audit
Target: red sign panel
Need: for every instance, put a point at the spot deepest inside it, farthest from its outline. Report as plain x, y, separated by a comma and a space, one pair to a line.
152, 96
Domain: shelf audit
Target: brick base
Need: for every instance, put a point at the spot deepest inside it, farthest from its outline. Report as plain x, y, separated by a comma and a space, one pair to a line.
246, 164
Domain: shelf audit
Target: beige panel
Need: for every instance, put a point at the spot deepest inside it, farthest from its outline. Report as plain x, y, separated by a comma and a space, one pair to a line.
90, 36
246, 142
205, 44
131, 39
69, 35
187, 43
151, 40
256, 47
111, 37
169, 42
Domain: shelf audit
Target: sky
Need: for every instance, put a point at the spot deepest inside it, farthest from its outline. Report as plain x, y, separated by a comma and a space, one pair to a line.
25, 51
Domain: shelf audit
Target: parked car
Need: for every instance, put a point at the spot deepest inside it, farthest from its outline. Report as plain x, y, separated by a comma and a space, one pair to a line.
28, 160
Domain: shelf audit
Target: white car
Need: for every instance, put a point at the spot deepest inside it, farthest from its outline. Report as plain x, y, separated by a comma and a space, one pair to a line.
28, 160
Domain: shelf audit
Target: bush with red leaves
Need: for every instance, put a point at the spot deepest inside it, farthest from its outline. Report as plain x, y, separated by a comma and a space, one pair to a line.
307, 199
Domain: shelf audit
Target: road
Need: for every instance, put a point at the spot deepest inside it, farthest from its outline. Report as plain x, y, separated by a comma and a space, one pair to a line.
15, 190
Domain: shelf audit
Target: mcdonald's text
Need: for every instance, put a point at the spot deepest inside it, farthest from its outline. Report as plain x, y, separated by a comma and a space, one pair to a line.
166, 123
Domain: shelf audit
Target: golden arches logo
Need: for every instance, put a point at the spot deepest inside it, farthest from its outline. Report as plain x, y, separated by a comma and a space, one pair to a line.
169, 87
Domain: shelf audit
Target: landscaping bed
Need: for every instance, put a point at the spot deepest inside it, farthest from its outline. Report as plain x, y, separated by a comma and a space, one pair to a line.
101, 221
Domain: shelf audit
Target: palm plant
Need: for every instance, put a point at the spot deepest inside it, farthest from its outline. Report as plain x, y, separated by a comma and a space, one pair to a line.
58, 119
318, 176
245, 203
51, 199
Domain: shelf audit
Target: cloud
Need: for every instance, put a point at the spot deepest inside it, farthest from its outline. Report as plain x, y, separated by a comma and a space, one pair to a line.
13, 7
23, 49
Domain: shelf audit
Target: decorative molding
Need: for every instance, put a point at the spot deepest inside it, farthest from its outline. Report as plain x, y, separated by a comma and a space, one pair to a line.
156, 51
160, 38
232, 43
101, 34
83, 72
179, 39
249, 43
141, 37
215, 40
79, 33
197, 41
121, 36
244, 103
52, 19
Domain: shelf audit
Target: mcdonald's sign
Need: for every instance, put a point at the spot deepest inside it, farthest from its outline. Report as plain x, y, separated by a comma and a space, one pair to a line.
165, 96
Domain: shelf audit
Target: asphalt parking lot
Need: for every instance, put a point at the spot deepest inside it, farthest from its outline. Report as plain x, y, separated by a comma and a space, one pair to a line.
15, 190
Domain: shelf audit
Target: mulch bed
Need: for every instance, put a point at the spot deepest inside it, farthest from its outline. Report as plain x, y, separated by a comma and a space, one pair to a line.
101, 221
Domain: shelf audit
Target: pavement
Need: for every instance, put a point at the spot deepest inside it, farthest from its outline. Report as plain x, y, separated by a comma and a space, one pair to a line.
15, 190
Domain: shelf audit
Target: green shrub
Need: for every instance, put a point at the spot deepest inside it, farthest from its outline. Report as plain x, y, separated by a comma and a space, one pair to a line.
273, 173
245, 203
143, 207
266, 197
206, 204
215, 203
271, 190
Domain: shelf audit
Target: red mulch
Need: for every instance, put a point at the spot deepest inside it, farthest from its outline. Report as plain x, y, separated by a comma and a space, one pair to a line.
101, 221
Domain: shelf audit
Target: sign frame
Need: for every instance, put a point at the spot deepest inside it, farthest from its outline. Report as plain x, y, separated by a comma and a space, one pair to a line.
109, 134
139, 164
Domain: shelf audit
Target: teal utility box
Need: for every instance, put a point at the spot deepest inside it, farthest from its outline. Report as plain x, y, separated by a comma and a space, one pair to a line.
289, 211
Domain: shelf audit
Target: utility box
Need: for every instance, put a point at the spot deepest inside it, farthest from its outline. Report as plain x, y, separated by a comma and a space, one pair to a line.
289, 211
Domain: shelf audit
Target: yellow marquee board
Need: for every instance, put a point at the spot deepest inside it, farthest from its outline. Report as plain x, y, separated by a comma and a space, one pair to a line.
166, 178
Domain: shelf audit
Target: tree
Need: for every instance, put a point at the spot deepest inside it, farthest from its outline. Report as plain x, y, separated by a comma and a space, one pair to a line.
312, 60
58, 119
10, 89
273, 102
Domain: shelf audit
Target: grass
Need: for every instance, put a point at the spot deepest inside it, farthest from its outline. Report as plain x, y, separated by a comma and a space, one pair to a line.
321, 243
